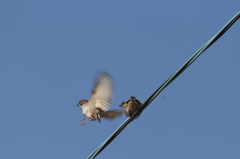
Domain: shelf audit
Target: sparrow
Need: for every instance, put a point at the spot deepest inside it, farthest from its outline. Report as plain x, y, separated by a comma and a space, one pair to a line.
100, 100
130, 106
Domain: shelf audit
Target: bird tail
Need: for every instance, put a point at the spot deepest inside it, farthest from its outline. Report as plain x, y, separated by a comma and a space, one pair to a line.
111, 114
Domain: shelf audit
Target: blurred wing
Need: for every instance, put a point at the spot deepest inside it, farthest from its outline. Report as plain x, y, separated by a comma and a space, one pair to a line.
102, 92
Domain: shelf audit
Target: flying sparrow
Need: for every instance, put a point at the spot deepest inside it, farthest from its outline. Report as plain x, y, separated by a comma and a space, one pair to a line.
100, 100
130, 106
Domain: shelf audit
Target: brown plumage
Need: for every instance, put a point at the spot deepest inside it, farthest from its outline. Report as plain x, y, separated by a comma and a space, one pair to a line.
130, 106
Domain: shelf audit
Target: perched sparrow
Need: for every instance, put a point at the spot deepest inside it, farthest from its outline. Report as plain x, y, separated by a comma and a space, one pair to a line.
130, 106
100, 100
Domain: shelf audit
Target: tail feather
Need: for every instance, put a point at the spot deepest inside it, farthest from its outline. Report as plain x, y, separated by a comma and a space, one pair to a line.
111, 114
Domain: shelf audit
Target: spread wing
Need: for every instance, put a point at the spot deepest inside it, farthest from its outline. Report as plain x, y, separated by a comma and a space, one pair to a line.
102, 92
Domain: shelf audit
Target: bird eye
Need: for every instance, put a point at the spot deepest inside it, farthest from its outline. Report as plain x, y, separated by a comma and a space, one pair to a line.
79, 104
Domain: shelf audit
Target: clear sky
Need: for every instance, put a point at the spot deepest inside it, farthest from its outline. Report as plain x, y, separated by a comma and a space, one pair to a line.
50, 52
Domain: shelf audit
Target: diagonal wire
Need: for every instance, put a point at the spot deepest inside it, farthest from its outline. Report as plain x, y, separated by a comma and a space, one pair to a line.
164, 85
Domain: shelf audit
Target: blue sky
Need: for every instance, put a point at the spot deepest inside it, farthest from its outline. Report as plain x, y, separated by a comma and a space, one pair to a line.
52, 50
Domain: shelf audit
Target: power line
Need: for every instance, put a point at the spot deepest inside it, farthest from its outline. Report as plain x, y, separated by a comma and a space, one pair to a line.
164, 85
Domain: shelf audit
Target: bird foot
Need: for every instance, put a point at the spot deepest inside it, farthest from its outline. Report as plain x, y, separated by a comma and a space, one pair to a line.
83, 118
85, 123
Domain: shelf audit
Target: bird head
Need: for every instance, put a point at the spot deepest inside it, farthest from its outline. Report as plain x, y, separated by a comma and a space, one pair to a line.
81, 102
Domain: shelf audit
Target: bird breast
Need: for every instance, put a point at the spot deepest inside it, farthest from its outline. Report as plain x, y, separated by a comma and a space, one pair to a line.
129, 108
88, 110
